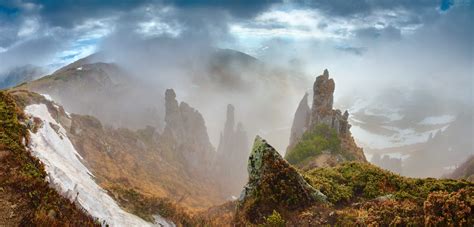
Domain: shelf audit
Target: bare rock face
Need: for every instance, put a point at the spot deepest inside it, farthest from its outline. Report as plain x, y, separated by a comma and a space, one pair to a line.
232, 154
186, 129
322, 111
323, 90
273, 184
301, 120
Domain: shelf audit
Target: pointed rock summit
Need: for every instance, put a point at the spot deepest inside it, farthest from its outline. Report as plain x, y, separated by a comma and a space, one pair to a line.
323, 96
232, 154
312, 120
300, 121
273, 184
186, 131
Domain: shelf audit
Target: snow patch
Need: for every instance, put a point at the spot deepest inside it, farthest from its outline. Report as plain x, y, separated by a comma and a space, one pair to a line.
70, 177
49, 98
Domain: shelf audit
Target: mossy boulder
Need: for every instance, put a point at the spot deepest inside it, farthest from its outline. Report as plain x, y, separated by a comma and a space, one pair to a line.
273, 185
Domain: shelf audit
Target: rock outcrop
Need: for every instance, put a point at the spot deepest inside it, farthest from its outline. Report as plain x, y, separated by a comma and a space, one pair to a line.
232, 153
273, 184
185, 127
300, 121
322, 113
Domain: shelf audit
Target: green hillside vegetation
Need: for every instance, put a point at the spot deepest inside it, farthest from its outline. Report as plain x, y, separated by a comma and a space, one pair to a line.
361, 194
356, 182
313, 143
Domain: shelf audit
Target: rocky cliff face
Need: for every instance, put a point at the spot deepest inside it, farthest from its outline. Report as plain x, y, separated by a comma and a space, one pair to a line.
186, 130
301, 120
322, 113
273, 184
232, 153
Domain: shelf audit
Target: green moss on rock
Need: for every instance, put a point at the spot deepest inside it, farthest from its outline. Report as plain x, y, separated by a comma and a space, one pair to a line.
273, 185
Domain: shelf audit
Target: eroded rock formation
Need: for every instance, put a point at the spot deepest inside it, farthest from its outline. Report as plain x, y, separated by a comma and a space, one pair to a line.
300, 121
322, 113
232, 154
186, 131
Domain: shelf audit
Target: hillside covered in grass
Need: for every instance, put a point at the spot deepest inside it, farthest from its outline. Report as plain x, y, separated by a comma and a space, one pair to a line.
355, 193
26, 198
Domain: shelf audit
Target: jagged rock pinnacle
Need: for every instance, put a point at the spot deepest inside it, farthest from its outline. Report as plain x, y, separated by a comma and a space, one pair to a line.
323, 97
326, 73
300, 121
186, 127
320, 114
232, 153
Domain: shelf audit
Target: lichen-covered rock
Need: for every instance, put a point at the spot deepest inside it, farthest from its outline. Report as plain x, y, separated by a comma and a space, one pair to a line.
273, 185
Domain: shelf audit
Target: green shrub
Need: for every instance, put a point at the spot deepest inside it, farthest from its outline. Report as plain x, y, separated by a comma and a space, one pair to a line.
314, 142
274, 220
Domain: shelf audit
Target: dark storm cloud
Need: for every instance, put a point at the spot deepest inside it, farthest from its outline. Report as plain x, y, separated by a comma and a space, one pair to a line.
67, 13
365, 7
242, 8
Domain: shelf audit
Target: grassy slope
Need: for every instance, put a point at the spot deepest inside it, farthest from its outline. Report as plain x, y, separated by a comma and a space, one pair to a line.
140, 181
22, 177
363, 194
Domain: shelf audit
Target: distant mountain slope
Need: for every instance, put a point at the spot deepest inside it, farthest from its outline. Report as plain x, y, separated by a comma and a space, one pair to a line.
465, 170
103, 90
142, 160
440, 153
129, 92
20, 75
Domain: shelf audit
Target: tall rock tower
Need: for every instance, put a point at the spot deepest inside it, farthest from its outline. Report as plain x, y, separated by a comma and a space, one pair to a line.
232, 154
186, 134
322, 113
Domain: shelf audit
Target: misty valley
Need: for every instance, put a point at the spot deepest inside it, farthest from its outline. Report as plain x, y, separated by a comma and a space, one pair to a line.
215, 113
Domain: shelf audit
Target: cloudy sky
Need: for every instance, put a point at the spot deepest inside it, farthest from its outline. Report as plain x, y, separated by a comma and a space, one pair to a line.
416, 55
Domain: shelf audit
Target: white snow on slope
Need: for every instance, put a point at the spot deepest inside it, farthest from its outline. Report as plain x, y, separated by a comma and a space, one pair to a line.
71, 177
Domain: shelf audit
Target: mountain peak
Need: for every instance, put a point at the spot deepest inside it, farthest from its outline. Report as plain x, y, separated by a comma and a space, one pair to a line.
323, 97
321, 122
